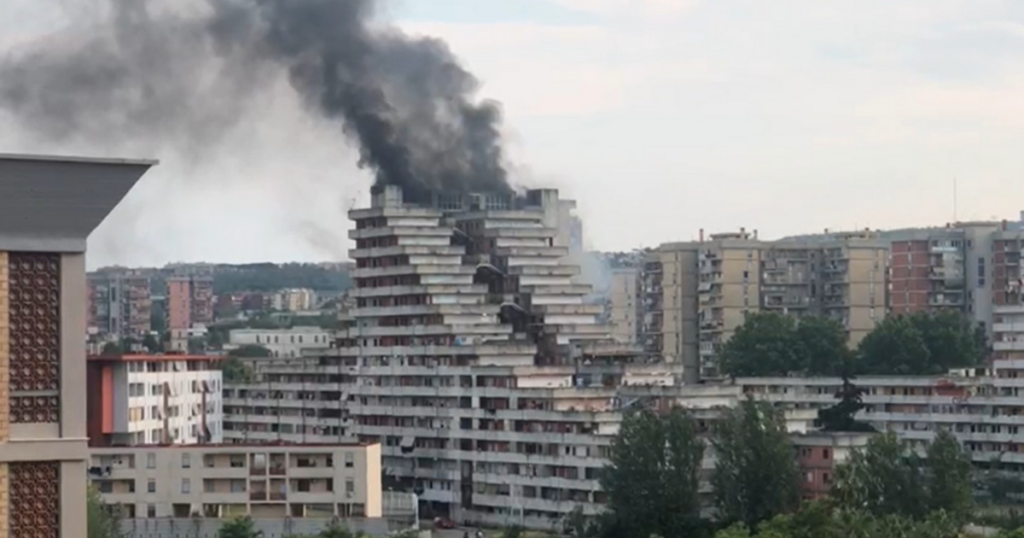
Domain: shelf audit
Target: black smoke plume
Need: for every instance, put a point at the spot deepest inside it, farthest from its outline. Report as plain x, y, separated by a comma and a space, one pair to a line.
188, 71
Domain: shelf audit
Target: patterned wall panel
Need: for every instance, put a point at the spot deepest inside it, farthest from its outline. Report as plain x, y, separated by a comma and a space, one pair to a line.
34, 334
34, 497
5, 412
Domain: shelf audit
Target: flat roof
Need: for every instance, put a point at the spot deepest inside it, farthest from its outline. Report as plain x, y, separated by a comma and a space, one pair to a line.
236, 446
75, 159
135, 357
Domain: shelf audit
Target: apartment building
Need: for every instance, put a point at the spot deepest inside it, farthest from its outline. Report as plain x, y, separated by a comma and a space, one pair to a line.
818, 454
224, 481
982, 407
282, 343
48, 207
624, 304
154, 399
119, 303
693, 296
470, 355
189, 304
294, 300
667, 301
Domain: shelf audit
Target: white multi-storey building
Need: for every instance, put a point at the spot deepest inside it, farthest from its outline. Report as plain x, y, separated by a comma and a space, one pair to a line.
282, 343
470, 355
983, 407
222, 481
154, 399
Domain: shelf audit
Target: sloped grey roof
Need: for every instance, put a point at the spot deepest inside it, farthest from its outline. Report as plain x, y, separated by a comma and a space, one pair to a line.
52, 204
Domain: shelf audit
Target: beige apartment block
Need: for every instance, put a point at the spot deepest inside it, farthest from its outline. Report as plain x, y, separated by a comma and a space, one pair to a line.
220, 481
694, 295
855, 267
668, 294
729, 288
48, 207
624, 308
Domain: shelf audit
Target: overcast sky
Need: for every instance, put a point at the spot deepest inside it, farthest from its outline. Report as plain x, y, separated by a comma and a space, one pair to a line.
660, 117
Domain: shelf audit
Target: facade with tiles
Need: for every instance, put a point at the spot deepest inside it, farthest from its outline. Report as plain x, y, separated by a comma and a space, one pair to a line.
48, 207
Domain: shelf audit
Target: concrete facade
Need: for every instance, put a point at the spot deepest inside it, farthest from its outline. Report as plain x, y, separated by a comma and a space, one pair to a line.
695, 295
119, 304
470, 355
211, 481
154, 399
282, 343
48, 207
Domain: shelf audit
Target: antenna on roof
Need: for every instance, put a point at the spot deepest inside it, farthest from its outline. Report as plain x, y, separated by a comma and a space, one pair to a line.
954, 198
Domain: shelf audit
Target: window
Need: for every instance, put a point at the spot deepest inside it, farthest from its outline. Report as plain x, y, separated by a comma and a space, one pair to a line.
151, 486
809, 477
186, 460
150, 510
186, 485
151, 461
826, 478
349, 460
350, 487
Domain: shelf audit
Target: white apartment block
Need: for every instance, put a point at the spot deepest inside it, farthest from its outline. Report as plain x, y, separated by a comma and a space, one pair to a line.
470, 355
983, 407
294, 300
224, 481
282, 343
154, 399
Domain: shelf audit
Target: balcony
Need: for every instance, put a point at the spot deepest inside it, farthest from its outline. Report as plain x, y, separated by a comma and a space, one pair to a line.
257, 495
1012, 345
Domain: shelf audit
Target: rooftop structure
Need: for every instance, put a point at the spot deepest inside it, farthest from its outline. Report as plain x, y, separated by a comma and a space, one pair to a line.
48, 207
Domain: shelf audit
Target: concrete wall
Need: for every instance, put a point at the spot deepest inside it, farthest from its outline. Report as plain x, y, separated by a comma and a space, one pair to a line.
272, 528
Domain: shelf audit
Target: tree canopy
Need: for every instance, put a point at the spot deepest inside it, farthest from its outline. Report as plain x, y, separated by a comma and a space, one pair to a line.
653, 476
273, 277
102, 521
251, 351
240, 527
886, 478
774, 344
920, 344
755, 476
841, 417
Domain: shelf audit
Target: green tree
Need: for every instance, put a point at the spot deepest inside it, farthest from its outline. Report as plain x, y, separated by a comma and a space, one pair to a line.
822, 346
653, 475
755, 477
240, 527
882, 479
951, 338
894, 347
152, 344
111, 349
102, 521
841, 417
774, 344
250, 351
921, 344
336, 530
235, 371
950, 486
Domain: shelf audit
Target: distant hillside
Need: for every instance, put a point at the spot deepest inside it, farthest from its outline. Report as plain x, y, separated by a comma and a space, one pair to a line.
270, 277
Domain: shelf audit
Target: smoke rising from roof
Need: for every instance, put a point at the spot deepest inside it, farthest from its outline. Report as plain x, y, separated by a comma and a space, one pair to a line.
190, 74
